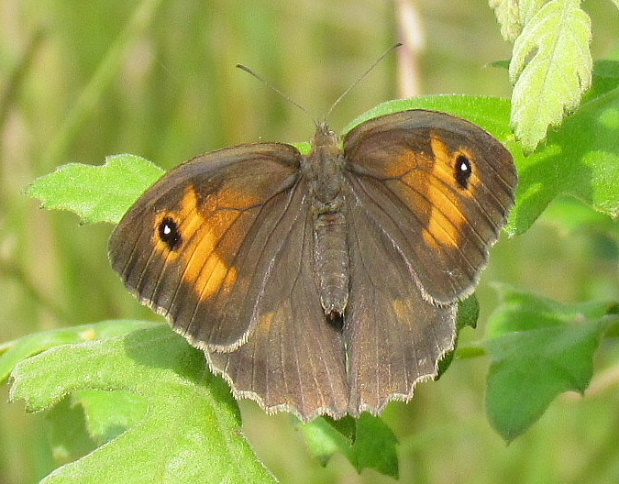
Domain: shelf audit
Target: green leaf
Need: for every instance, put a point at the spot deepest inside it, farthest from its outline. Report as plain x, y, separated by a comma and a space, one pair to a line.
551, 68
374, 446
109, 414
468, 314
489, 112
580, 159
367, 442
529, 8
190, 431
90, 418
324, 439
97, 193
68, 437
539, 348
521, 311
13, 352
514, 14
508, 14
572, 216
605, 79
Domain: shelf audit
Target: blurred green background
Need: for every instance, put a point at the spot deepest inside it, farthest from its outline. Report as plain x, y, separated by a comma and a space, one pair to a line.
81, 80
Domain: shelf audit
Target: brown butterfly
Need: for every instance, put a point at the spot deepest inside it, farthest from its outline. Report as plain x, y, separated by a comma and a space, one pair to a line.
325, 283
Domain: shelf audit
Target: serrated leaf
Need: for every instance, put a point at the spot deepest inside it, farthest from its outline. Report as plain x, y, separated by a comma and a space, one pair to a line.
468, 314
521, 311
367, 442
12, 352
539, 348
508, 14
109, 414
96, 193
551, 68
529, 8
324, 439
490, 113
374, 446
580, 159
574, 217
514, 14
190, 433
67, 434
605, 79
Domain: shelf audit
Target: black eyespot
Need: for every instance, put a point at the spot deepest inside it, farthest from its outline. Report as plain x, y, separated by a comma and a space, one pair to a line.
463, 171
169, 234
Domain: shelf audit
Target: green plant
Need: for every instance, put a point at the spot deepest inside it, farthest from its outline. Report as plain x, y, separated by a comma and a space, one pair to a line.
132, 378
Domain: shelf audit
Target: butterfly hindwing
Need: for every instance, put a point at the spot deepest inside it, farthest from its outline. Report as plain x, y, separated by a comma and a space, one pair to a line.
294, 359
394, 337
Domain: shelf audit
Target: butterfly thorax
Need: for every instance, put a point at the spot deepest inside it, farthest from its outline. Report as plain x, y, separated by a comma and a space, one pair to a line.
324, 169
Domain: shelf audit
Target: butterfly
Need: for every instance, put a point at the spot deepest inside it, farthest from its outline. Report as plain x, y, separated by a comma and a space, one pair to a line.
327, 283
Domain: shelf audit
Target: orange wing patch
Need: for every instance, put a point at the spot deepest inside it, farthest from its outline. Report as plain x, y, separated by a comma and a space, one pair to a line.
201, 226
447, 215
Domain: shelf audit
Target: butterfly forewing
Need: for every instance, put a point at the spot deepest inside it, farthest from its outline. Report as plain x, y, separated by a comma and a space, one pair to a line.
207, 226
447, 185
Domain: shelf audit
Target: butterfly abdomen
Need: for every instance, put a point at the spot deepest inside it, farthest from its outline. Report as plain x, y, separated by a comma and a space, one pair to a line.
324, 169
332, 262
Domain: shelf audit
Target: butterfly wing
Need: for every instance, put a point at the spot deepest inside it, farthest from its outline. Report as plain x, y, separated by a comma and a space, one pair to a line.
428, 195
295, 359
394, 337
447, 184
222, 246
194, 246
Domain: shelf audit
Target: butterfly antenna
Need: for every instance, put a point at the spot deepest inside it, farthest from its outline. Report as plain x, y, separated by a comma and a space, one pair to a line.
361, 77
253, 73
